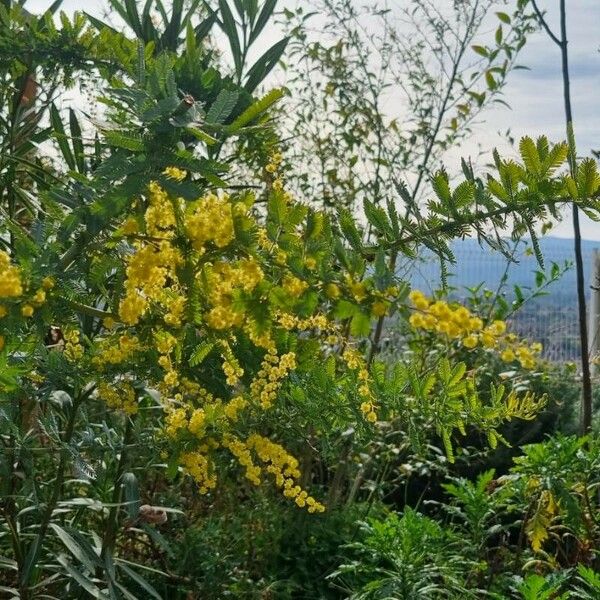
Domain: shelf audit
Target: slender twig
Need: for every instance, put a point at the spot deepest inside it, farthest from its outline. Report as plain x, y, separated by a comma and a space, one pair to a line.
544, 23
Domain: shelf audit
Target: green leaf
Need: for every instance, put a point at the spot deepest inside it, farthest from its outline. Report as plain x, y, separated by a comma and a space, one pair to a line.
131, 494
447, 445
262, 20
209, 140
345, 309
503, 17
481, 50
223, 106
441, 187
498, 35
91, 562
588, 180
140, 581
360, 326
349, 229
85, 582
255, 110
378, 218
77, 140
264, 65
201, 351
122, 140
230, 29
530, 155
61, 137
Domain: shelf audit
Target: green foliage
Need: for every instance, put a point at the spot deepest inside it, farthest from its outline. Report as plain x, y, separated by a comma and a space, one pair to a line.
407, 557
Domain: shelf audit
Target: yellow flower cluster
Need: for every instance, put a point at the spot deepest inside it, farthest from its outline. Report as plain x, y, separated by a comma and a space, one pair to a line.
521, 352
332, 291
272, 169
121, 396
147, 273
268, 380
457, 322
200, 469
175, 173
175, 421
285, 470
219, 280
235, 406
355, 362
154, 263
210, 219
231, 367
294, 286
358, 289
10, 278
111, 351
242, 454
224, 280
160, 214
73, 349
289, 322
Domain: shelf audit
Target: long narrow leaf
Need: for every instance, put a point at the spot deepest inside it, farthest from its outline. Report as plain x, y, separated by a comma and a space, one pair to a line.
262, 20
264, 65
61, 137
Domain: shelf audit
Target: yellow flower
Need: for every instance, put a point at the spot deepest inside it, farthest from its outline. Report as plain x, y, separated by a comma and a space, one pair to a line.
294, 286
416, 320
497, 328
488, 340
332, 291
48, 283
39, 297
470, 341
175, 173
310, 263
27, 310
418, 299
358, 290
10, 278
210, 220
130, 226
508, 355
379, 308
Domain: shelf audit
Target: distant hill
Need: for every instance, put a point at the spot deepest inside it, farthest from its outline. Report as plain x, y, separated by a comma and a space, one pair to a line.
475, 265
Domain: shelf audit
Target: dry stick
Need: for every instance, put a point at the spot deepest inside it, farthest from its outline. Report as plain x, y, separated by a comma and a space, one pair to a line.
586, 378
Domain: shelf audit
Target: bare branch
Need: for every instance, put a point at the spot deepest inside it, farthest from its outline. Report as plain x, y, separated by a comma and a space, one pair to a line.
544, 24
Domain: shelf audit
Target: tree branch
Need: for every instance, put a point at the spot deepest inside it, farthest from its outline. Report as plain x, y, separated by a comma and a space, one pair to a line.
545, 25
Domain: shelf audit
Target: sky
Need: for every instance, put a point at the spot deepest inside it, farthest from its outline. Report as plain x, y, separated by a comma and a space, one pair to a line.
535, 95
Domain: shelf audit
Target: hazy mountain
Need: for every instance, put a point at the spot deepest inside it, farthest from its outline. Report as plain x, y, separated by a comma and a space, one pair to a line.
475, 265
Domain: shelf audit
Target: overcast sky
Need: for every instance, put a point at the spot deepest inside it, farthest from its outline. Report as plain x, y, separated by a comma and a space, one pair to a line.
534, 95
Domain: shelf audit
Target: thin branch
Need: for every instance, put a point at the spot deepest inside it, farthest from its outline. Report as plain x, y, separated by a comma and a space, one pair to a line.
544, 24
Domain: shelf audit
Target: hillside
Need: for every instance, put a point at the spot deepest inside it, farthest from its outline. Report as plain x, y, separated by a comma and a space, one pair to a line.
475, 265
